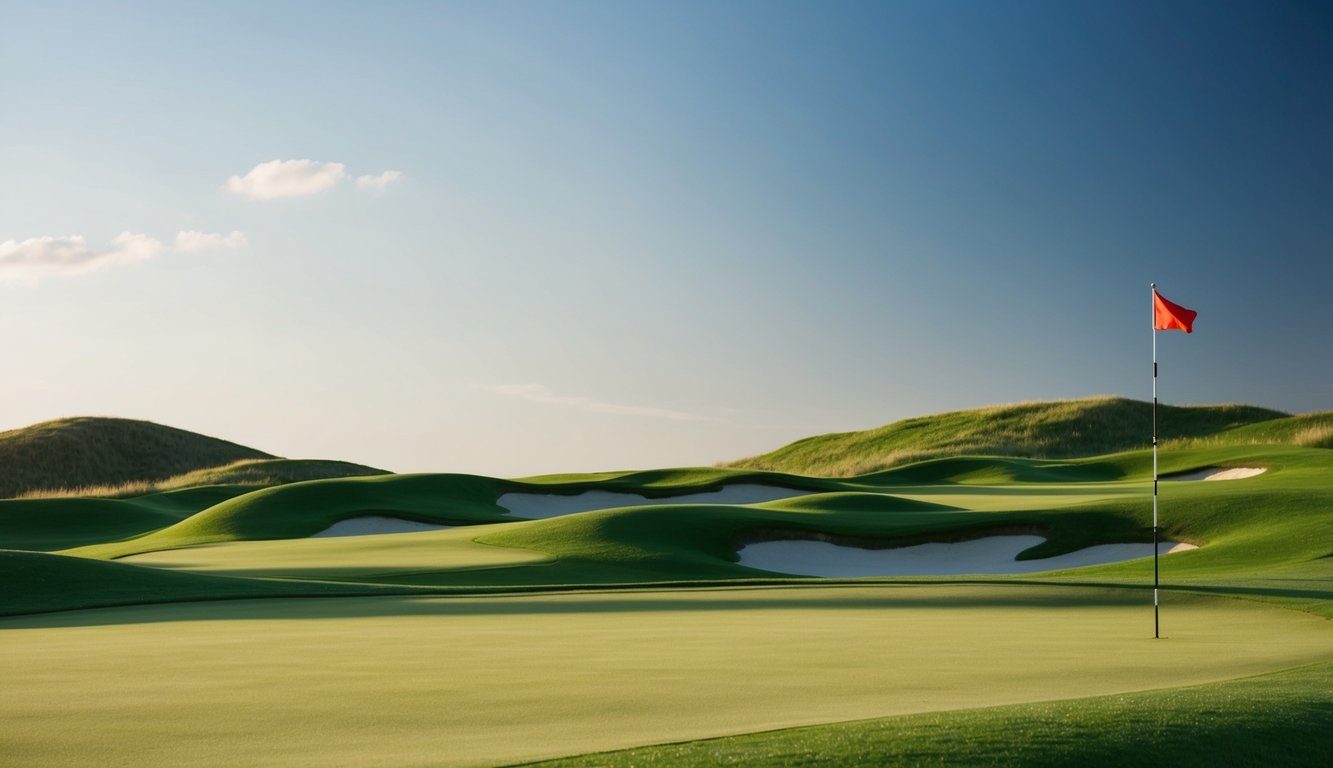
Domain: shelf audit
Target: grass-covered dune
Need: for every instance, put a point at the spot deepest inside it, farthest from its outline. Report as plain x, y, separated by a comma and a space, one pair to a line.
108, 457
1060, 429
88, 451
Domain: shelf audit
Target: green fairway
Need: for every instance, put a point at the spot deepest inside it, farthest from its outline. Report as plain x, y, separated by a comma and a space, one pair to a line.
465, 681
346, 557
217, 630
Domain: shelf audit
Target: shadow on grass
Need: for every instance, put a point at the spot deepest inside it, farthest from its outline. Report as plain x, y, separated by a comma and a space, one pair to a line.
812, 598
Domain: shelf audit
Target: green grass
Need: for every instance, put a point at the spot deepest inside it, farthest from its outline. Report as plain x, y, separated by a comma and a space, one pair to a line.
1285, 718
120, 458
255, 473
88, 452
410, 681
505, 640
1061, 429
1252, 541
61, 523
37, 582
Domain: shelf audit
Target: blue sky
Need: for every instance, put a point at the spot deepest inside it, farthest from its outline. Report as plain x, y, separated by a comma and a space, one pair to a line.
647, 234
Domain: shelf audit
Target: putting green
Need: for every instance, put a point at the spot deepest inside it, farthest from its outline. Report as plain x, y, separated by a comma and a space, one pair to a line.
467, 681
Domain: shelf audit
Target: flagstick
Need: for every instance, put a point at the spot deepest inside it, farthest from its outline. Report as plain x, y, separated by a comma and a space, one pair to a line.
1156, 623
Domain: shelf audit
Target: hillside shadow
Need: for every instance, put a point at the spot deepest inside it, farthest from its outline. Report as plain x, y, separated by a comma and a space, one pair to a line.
893, 597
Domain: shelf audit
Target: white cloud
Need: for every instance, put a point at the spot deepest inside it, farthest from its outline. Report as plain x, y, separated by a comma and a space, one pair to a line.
287, 178
191, 240
378, 182
538, 393
70, 255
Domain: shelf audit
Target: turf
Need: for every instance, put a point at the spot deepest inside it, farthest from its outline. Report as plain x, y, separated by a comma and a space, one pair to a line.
1285, 718
36, 583
468, 681
504, 639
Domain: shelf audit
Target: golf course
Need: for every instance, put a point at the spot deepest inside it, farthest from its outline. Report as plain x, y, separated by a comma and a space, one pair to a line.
972, 588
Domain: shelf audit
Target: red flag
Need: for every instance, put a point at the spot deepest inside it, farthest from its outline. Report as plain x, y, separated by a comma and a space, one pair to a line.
1171, 317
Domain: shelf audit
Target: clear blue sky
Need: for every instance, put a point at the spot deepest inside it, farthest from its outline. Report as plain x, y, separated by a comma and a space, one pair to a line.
647, 234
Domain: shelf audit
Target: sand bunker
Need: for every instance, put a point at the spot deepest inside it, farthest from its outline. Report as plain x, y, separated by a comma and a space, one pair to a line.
1218, 473
990, 556
372, 525
534, 506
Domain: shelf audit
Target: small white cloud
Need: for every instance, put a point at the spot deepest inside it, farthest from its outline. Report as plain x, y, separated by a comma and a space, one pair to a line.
287, 178
70, 255
191, 240
128, 247
538, 393
378, 182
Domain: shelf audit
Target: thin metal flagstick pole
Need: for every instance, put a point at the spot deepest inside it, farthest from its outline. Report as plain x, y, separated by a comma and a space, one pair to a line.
1156, 623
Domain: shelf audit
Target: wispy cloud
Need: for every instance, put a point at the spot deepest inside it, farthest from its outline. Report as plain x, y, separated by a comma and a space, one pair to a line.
287, 178
39, 257
191, 240
70, 255
379, 182
538, 393
301, 178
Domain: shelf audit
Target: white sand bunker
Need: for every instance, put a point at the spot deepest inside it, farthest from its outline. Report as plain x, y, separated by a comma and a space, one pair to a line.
373, 525
1218, 473
534, 506
990, 556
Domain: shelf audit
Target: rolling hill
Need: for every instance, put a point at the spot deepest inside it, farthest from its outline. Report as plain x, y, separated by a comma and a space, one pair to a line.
110, 456
1051, 430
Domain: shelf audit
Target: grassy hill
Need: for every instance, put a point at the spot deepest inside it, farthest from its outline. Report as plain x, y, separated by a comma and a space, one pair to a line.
1060, 429
90, 456
89, 451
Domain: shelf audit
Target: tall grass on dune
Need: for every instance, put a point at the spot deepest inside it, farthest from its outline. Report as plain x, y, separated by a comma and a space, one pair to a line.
252, 472
1042, 430
94, 452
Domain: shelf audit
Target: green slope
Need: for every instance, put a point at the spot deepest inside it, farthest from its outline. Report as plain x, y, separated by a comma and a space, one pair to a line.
61, 523
86, 451
1061, 429
1268, 534
38, 583
301, 509
1283, 719
268, 472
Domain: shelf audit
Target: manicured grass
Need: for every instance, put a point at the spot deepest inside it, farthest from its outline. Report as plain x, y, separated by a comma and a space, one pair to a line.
468, 681
382, 558
1281, 719
35, 582
58, 523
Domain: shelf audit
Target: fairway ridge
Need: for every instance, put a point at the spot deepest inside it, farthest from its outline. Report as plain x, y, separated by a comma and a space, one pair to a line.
371, 525
985, 556
536, 506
